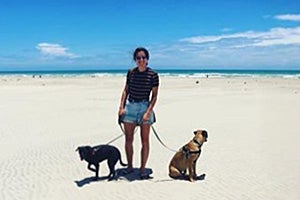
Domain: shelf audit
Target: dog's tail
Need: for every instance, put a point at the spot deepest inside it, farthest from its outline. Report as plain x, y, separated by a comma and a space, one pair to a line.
121, 162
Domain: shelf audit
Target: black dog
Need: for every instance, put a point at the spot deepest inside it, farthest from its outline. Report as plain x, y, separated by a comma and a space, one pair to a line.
95, 155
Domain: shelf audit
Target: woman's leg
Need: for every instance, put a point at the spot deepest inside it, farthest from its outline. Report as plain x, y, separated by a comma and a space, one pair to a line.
145, 131
129, 133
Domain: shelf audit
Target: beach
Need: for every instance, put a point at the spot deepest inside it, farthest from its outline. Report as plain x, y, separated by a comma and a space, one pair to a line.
252, 150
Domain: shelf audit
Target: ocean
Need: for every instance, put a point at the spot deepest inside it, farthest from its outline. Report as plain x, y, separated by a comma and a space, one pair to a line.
205, 73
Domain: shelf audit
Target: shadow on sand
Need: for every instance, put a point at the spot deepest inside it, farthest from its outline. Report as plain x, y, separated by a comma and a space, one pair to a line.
121, 174
197, 178
184, 178
88, 180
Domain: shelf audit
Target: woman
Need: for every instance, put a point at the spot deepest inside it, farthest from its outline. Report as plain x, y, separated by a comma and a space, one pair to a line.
136, 107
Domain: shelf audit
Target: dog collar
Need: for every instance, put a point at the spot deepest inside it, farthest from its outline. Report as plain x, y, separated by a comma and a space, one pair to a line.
188, 152
199, 144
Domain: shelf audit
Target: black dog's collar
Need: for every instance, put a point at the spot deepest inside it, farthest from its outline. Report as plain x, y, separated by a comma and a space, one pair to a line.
94, 150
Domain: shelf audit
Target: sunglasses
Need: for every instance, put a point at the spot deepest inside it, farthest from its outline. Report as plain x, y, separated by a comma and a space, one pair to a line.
140, 58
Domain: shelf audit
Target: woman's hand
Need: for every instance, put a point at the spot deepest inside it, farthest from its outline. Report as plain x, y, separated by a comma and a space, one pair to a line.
121, 111
146, 116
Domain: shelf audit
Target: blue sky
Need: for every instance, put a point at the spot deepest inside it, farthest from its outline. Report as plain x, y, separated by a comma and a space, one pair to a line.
189, 34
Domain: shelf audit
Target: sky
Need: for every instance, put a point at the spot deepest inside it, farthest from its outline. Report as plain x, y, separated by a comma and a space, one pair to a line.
179, 34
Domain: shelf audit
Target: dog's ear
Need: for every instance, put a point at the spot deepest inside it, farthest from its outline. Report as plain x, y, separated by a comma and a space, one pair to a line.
197, 131
204, 134
78, 148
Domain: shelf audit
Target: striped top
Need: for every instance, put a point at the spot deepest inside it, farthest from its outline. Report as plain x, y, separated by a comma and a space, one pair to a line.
140, 84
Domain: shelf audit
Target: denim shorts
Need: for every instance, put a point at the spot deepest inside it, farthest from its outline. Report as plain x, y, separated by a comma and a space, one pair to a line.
134, 112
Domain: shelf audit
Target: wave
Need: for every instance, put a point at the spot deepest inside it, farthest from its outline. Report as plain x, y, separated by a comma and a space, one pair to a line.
162, 73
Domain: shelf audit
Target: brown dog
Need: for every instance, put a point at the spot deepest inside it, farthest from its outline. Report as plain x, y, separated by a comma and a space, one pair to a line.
187, 157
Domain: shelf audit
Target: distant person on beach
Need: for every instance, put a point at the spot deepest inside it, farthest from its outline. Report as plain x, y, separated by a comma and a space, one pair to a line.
136, 107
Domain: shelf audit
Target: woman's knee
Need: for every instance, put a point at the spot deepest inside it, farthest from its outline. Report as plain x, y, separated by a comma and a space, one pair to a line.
128, 138
145, 141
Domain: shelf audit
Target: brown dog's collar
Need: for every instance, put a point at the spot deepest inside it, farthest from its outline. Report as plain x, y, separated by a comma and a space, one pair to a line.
199, 144
188, 152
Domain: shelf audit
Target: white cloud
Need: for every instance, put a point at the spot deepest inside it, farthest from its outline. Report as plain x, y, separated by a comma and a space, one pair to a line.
215, 38
288, 17
277, 47
55, 50
280, 36
275, 36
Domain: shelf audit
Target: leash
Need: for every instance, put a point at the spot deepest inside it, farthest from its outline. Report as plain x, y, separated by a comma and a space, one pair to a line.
122, 129
161, 142
115, 139
153, 129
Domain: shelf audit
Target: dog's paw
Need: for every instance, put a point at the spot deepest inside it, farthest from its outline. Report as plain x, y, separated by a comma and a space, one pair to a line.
200, 177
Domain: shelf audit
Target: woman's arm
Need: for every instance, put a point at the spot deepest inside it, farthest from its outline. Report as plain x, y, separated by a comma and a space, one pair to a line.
123, 100
154, 94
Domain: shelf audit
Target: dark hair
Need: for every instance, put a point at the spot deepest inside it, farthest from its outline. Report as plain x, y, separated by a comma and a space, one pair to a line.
137, 50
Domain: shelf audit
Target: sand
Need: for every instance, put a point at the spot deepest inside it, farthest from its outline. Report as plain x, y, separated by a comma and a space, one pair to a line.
252, 150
